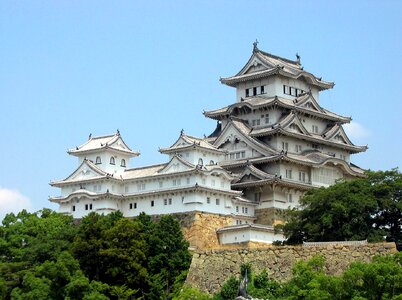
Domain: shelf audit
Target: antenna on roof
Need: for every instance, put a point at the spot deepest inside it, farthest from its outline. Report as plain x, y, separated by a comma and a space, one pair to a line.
90, 135
255, 48
298, 58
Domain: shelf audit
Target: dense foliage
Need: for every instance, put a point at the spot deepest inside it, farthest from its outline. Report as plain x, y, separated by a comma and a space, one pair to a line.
367, 208
45, 255
379, 279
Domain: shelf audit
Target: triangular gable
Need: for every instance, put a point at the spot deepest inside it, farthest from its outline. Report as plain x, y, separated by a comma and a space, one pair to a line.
86, 170
308, 102
119, 144
251, 173
254, 64
181, 142
232, 133
176, 164
338, 135
293, 123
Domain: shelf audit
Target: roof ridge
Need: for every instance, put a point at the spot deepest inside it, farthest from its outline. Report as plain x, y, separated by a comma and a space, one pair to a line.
146, 167
278, 57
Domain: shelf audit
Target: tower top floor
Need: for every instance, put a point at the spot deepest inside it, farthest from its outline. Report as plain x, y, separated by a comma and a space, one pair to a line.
269, 75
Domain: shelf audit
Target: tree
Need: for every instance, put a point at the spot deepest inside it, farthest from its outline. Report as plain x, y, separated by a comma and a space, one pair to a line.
169, 258
89, 241
367, 208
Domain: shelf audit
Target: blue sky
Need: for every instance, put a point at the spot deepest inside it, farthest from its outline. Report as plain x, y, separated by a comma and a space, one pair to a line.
149, 69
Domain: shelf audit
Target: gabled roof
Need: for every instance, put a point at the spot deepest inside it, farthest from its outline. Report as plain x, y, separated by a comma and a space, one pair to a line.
166, 169
185, 142
87, 170
304, 103
243, 132
175, 164
112, 142
262, 64
282, 128
308, 158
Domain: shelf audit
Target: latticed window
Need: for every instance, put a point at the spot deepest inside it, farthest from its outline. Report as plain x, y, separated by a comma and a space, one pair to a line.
123, 163
98, 160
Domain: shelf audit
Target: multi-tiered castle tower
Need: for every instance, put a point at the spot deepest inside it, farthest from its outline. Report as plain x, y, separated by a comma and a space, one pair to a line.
280, 140
269, 147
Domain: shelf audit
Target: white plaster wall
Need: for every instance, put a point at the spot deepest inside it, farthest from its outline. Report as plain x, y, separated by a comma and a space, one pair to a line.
249, 234
105, 161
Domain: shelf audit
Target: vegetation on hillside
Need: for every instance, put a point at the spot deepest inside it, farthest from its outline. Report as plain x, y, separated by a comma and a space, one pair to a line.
379, 279
367, 208
45, 256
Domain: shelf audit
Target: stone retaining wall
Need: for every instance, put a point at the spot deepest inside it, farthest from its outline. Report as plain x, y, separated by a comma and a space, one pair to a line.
211, 268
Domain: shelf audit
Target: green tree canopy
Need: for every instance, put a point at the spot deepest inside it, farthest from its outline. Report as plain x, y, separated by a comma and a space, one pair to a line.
367, 208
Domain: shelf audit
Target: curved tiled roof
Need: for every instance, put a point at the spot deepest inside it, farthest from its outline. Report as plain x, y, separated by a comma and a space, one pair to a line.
274, 65
102, 143
190, 142
256, 102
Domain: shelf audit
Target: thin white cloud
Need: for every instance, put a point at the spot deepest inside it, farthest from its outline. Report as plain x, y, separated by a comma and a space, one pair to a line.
356, 131
13, 201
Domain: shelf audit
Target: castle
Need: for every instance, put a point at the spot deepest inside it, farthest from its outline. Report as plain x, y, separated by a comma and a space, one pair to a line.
274, 143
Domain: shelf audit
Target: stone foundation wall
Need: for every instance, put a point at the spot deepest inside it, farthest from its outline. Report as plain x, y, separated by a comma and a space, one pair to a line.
199, 228
266, 216
211, 268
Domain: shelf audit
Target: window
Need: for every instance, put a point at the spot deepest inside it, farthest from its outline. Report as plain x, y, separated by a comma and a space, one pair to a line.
256, 122
152, 203
164, 201
176, 182
262, 89
257, 197
314, 128
267, 119
135, 205
73, 207
247, 92
302, 176
289, 198
131, 206
289, 174
254, 91
112, 160
342, 156
289, 90
217, 201
123, 163
86, 206
285, 146
208, 200
246, 210
237, 209
298, 148
90, 206
170, 201
200, 162
141, 186
98, 160
242, 210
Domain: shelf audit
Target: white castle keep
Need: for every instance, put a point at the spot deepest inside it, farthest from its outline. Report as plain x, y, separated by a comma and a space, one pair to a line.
269, 147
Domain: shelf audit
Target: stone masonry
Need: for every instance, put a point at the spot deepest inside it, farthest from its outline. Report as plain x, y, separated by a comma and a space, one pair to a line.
211, 268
